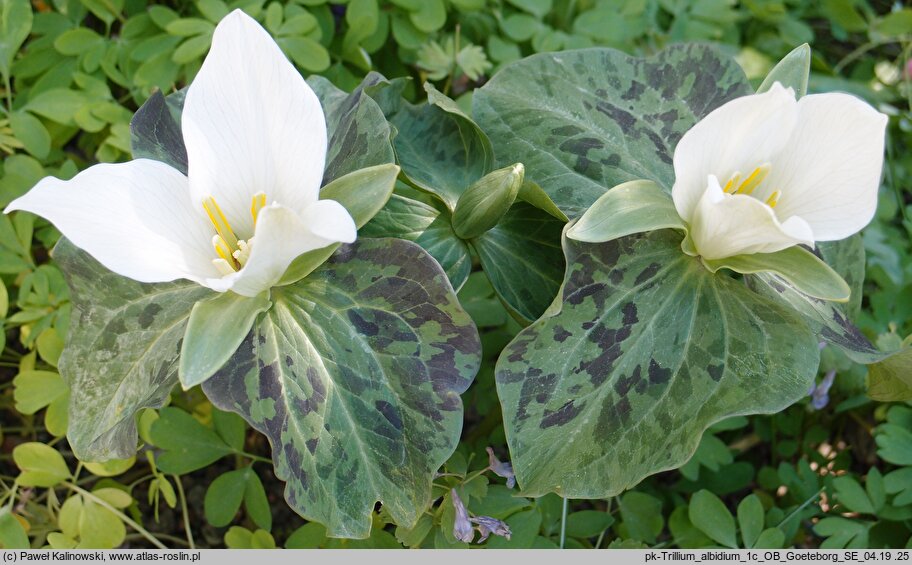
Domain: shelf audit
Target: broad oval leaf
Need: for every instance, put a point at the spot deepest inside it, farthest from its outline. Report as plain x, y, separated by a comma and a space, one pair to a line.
653, 350
585, 121
354, 375
633, 207
122, 351
792, 71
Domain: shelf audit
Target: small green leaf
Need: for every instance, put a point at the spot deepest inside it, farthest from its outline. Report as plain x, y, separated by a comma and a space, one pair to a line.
791, 72
15, 25
114, 496
31, 132
12, 534
890, 380
633, 207
852, 496
797, 265
188, 445
255, 500
99, 528
216, 328
641, 516
770, 538
588, 523
484, 203
223, 497
430, 15
110, 468
895, 24
36, 389
309, 536
533, 194
41, 465
750, 520
230, 427
710, 516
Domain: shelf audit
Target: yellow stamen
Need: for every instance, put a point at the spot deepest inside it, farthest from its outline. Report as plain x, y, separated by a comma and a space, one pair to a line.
773, 199
223, 251
222, 227
753, 180
223, 267
730, 185
259, 201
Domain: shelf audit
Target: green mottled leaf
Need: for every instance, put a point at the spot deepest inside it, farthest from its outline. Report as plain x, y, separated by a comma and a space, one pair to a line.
523, 259
122, 351
585, 121
430, 227
796, 265
633, 207
440, 150
655, 350
363, 193
354, 375
155, 132
358, 134
215, 330
829, 320
791, 72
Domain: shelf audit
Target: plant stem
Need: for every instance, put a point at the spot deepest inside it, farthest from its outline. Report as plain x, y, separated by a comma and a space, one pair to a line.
183, 499
563, 534
126, 519
804, 505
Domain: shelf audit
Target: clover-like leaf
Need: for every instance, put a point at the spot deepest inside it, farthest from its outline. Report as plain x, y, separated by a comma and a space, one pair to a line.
354, 375
587, 120
653, 350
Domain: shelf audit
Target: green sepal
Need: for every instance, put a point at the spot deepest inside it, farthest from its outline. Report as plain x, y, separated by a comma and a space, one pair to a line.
632, 207
797, 265
792, 71
484, 203
216, 328
363, 193
531, 193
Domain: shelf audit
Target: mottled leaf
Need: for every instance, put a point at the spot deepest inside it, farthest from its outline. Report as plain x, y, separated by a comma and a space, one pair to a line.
830, 320
522, 258
653, 350
121, 353
430, 227
585, 121
155, 132
354, 375
440, 149
359, 135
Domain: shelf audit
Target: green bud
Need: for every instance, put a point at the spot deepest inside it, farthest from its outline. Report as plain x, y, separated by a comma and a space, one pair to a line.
484, 203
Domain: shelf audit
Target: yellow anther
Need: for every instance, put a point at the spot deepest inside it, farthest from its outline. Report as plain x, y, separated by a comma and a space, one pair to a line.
259, 201
773, 199
223, 251
223, 267
753, 180
218, 219
730, 185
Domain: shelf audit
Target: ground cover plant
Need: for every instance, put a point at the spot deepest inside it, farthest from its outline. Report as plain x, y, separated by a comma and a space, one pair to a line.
550, 285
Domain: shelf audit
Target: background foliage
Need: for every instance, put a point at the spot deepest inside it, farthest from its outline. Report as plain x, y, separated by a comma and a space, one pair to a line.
832, 471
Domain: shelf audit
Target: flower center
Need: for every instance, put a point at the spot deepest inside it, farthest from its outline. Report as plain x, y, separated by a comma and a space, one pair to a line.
736, 186
232, 252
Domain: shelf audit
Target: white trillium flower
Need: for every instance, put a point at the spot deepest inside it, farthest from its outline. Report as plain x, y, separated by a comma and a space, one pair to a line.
765, 172
256, 146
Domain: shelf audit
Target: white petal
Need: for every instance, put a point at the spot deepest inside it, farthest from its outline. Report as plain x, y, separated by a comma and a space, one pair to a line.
725, 225
252, 124
281, 236
829, 172
736, 137
135, 218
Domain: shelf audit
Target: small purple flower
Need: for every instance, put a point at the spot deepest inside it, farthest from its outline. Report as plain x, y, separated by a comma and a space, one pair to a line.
462, 527
487, 526
820, 394
501, 468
